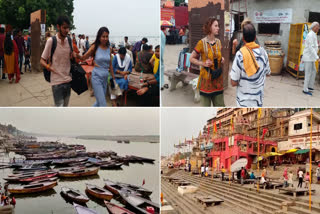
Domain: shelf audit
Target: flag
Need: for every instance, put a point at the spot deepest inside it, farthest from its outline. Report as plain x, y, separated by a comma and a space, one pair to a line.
259, 113
265, 130
219, 124
215, 127
231, 124
143, 182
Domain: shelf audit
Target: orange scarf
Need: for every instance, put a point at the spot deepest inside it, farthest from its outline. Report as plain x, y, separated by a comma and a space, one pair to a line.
249, 61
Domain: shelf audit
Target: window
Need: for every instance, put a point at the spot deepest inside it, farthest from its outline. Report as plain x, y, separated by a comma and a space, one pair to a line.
297, 126
269, 28
314, 17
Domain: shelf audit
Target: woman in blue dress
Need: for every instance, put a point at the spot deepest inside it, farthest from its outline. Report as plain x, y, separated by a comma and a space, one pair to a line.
100, 51
122, 67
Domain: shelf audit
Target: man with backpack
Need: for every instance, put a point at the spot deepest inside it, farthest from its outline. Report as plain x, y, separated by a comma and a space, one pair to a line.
59, 50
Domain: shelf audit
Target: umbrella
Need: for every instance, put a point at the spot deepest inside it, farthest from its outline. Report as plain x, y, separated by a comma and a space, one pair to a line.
165, 23
237, 165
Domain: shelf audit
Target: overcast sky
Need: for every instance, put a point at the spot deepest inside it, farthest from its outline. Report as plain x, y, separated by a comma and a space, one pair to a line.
122, 17
180, 123
83, 121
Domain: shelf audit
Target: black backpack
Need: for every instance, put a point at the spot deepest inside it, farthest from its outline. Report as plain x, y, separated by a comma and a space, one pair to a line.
46, 73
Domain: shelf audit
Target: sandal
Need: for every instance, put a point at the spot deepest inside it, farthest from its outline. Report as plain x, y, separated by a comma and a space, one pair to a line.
166, 86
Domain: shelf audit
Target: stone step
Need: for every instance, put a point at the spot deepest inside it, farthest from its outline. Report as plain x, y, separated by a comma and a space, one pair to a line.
262, 207
303, 209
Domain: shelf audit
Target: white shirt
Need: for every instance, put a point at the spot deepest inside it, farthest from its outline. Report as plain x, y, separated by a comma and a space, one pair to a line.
310, 52
82, 46
202, 169
250, 89
300, 174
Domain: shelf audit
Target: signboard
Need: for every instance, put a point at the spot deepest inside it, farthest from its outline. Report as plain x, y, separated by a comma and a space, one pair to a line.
167, 13
43, 29
273, 16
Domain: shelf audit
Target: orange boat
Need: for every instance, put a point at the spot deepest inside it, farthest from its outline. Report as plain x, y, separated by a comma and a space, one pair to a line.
79, 172
32, 188
99, 192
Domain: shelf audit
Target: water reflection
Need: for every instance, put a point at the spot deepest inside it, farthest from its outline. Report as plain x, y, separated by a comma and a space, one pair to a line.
51, 202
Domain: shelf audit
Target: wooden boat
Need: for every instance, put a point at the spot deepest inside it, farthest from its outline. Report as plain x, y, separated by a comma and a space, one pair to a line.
143, 191
115, 188
33, 167
111, 165
119, 141
32, 188
115, 209
83, 210
45, 180
79, 172
99, 192
139, 204
126, 141
38, 177
74, 195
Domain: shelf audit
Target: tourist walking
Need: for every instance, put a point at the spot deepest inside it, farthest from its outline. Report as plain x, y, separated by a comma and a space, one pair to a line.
162, 46
2, 38
101, 52
290, 179
307, 180
309, 57
222, 173
285, 177
249, 70
300, 177
210, 81
60, 65
11, 55
202, 170
243, 176
21, 47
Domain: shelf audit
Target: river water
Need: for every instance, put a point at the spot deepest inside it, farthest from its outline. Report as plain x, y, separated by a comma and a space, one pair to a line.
51, 202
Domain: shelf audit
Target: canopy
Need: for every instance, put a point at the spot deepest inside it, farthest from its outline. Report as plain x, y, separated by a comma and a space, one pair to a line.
237, 165
165, 23
291, 150
269, 154
302, 151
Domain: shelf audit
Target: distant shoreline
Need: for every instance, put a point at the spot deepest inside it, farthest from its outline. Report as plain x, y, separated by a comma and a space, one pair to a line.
131, 138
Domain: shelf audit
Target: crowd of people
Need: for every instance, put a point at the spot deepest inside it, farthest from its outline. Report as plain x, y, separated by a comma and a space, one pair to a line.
4, 197
15, 51
112, 66
250, 65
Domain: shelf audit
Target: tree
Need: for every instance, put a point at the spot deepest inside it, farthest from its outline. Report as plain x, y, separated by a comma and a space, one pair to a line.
17, 12
178, 2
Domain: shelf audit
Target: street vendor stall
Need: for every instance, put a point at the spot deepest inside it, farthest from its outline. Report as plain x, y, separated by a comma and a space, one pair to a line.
296, 44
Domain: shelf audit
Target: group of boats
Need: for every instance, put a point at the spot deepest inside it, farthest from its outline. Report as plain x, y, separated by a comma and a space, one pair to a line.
135, 198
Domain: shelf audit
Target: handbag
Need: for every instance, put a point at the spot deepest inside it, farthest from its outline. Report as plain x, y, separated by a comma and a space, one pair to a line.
79, 81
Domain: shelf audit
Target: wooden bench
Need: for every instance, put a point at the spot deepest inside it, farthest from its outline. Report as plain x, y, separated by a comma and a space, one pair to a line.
294, 191
175, 77
207, 201
182, 183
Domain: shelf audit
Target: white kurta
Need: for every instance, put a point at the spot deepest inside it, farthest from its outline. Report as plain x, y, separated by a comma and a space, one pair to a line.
310, 52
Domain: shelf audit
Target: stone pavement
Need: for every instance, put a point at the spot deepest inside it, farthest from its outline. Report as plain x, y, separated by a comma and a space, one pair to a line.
34, 90
280, 91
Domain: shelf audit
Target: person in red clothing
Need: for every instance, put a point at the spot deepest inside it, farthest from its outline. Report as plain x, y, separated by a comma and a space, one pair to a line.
11, 54
2, 37
243, 175
21, 47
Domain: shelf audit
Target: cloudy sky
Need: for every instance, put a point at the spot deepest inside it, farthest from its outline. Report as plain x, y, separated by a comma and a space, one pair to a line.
122, 17
83, 121
180, 123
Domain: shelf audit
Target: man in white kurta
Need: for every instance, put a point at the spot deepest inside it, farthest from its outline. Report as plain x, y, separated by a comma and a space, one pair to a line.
310, 56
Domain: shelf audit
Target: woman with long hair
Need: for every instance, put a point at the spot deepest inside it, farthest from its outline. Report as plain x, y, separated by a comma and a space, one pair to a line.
101, 53
11, 54
210, 81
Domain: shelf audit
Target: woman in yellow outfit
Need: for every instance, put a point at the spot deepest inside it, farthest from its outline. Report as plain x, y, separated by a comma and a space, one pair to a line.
210, 81
11, 53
